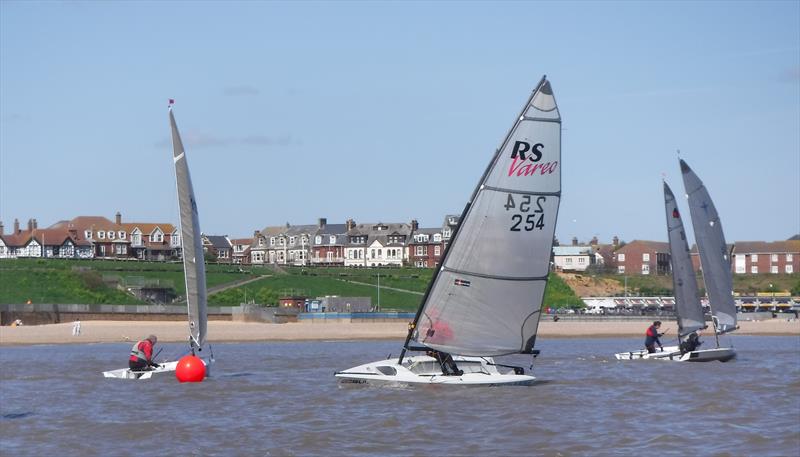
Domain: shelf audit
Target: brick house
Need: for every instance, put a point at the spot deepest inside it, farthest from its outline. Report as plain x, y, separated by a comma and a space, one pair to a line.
110, 240
328, 244
426, 247
640, 257
153, 241
219, 246
776, 257
36, 242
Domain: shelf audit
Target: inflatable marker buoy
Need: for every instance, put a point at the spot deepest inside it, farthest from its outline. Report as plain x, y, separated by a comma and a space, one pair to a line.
190, 369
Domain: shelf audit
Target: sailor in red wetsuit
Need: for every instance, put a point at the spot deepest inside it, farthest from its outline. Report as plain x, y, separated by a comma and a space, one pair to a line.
141, 358
652, 337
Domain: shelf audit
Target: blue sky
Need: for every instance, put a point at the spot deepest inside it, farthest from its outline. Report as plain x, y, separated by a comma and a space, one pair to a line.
390, 111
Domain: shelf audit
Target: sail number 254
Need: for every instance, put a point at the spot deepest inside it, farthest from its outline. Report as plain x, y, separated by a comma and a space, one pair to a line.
530, 215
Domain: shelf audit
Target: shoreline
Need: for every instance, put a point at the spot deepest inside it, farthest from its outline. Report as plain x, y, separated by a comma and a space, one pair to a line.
230, 332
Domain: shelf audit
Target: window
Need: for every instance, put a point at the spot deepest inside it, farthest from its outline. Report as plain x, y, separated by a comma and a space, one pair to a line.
333, 239
88, 234
446, 233
372, 253
621, 269
437, 238
754, 269
112, 234
437, 251
272, 241
121, 235
789, 269
101, 235
121, 249
645, 257
774, 257
774, 269
754, 258
292, 240
568, 260
258, 257
646, 269
380, 253
136, 239
788, 257
581, 260
157, 237
318, 239
419, 250
620, 257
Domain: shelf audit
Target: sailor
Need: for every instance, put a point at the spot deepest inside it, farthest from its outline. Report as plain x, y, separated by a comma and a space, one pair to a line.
449, 367
652, 337
691, 343
142, 355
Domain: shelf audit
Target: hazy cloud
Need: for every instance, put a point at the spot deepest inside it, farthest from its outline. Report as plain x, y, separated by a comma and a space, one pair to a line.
263, 140
241, 90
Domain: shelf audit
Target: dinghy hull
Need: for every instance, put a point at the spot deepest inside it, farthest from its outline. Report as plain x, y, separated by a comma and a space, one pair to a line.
674, 354
425, 370
166, 367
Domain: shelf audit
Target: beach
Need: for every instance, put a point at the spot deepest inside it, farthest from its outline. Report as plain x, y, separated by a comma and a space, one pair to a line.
226, 331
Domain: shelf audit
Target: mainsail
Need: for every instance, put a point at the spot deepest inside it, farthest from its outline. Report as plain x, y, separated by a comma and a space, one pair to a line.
486, 297
193, 262
714, 255
687, 301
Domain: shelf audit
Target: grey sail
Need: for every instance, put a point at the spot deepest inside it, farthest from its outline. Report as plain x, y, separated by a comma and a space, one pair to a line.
687, 300
193, 263
486, 298
714, 255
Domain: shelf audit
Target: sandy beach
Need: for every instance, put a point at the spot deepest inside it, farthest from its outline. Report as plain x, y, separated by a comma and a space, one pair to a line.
224, 331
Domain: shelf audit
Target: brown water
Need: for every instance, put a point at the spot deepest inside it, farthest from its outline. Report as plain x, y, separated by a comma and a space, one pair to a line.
282, 399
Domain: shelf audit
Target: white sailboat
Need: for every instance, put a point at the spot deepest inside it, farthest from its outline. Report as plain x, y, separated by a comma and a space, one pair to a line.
688, 309
485, 297
193, 264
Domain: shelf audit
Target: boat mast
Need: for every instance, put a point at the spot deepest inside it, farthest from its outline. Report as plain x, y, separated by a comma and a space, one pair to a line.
413, 325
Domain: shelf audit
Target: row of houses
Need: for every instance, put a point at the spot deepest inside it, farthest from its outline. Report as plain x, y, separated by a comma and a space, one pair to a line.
354, 244
642, 257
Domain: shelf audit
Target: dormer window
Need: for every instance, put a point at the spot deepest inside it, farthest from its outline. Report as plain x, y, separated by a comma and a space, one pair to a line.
437, 238
272, 241
333, 239
292, 240
157, 236
111, 235
446, 233
101, 234
318, 239
176, 239
121, 235
88, 234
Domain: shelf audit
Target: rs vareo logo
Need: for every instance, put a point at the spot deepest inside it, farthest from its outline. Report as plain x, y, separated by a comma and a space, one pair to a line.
526, 160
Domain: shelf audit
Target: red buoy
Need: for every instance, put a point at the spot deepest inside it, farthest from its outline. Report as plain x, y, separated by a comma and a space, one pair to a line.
190, 369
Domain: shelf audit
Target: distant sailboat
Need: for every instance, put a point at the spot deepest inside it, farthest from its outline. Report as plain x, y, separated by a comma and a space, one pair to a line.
688, 309
485, 297
194, 268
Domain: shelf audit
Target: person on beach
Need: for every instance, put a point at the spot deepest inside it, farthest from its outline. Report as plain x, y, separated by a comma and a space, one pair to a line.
76, 327
141, 358
652, 337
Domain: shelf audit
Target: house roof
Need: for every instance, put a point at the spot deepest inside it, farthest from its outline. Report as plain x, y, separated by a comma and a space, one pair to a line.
766, 247
147, 227
245, 241
656, 246
218, 241
572, 250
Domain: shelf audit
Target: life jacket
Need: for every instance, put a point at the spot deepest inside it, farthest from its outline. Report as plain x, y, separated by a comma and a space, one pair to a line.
138, 353
652, 332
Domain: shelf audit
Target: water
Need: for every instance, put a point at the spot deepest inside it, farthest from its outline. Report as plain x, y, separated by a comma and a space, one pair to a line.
281, 399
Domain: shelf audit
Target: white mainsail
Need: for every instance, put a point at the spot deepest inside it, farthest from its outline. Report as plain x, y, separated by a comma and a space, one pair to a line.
714, 255
485, 299
687, 301
193, 262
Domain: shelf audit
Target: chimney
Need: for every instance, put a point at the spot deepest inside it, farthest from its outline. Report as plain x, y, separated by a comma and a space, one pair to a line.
594, 241
118, 218
555, 242
16, 226
615, 241
30, 225
35, 224
2, 229
322, 223
350, 224
256, 233
574, 240
414, 225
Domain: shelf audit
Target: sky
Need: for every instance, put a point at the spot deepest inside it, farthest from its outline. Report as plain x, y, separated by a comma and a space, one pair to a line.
390, 111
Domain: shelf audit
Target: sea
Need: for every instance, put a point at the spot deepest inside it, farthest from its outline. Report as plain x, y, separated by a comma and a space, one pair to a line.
281, 399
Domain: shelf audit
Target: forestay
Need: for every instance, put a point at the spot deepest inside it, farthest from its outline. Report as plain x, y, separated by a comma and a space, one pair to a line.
684, 282
714, 254
486, 298
193, 261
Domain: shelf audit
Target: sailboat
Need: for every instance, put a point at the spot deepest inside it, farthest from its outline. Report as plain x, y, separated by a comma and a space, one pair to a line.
485, 297
194, 268
688, 309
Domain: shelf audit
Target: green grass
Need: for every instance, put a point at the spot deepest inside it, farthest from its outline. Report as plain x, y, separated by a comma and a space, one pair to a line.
559, 295
81, 281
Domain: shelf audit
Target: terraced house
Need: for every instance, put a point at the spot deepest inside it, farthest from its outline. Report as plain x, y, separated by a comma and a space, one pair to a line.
36, 242
379, 244
427, 245
282, 245
328, 245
